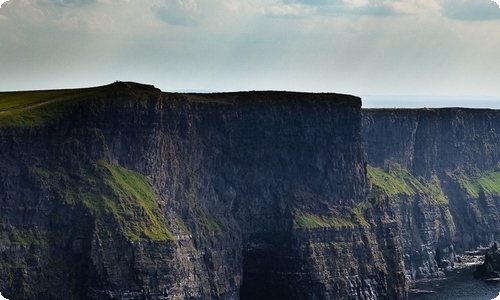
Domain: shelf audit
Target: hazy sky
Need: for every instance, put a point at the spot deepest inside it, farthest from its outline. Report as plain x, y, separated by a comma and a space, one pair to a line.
438, 48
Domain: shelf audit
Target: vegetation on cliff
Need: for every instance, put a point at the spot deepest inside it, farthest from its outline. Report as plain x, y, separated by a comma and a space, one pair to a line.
314, 221
109, 191
394, 180
35, 108
353, 217
487, 182
226, 175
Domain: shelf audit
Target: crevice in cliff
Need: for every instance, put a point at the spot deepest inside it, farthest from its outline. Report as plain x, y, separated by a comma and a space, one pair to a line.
271, 268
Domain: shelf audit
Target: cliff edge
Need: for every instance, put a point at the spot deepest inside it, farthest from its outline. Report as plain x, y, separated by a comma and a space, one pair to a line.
441, 170
127, 192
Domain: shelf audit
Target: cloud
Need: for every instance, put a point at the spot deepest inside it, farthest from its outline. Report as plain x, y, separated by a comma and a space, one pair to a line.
179, 12
377, 8
67, 3
471, 10
354, 46
286, 10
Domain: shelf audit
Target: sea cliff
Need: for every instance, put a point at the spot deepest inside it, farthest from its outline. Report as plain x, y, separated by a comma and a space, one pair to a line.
127, 192
440, 168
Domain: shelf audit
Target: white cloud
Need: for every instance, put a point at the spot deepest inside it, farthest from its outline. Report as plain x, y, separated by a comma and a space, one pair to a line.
470, 10
416, 7
179, 12
353, 46
286, 10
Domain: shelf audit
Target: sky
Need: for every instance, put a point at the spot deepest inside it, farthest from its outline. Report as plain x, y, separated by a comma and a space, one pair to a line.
410, 53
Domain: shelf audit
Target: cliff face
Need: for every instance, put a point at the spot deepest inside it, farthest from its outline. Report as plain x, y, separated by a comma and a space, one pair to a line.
440, 167
128, 192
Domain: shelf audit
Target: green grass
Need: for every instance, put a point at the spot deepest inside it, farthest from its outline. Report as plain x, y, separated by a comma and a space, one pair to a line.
396, 181
487, 182
467, 183
23, 237
208, 222
393, 182
203, 218
490, 183
36, 108
181, 225
358, 213
134, 205
111, 192
313, 221
435, 192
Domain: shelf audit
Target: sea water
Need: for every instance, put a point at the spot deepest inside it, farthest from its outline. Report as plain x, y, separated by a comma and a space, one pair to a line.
458, 285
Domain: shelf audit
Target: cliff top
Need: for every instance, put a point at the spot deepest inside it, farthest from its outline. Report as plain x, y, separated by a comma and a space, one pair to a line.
427, 109
34, 108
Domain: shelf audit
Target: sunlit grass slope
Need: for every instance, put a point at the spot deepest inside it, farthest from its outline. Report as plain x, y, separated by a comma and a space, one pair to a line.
487, 182
35, 108
110, 193
397, 181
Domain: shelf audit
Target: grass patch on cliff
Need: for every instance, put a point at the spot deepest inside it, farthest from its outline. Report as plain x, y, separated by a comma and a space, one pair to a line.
355, 217
24, 237
35, 108
487, 182
132, 204
202, 217
313, 221
114, 192
209, 222
395, 180
490, 183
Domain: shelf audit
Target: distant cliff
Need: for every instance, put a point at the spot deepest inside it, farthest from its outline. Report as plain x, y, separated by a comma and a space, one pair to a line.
441, 169
126, 192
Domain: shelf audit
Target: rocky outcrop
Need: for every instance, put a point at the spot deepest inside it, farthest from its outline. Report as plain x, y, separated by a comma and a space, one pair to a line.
490, 268
128, 192
440, 169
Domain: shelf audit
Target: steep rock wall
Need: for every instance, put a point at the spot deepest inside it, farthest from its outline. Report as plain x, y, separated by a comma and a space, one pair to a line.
441, 165
130, 193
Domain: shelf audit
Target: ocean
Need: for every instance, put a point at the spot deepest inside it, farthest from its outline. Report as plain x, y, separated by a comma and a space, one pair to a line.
459, 285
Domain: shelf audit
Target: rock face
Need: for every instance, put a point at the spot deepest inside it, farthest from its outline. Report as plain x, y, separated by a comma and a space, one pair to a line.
125, 192
490, 269
440, 168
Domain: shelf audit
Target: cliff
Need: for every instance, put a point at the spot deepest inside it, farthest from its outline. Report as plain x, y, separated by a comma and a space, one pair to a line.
440, 167
127, 192
490, 268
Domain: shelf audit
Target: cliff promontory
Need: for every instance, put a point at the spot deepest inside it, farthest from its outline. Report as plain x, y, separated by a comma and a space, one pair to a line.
127, 192
440, 168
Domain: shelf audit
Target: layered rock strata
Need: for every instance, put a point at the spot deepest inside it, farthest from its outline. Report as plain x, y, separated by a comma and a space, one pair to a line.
440, 167
126, 192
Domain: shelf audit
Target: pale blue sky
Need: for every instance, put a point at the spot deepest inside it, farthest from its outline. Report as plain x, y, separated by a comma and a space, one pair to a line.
436, 48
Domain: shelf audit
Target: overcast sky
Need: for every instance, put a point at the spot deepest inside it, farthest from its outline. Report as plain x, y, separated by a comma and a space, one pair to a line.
369, 48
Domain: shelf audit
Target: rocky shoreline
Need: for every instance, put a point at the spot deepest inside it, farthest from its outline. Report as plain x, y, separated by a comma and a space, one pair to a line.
464, 260
490, 268
470, 258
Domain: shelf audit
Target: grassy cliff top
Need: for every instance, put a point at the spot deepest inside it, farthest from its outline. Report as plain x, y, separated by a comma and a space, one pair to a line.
35, 108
